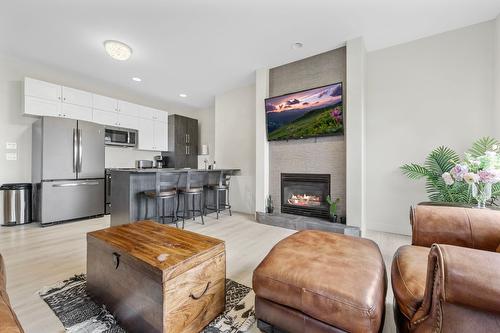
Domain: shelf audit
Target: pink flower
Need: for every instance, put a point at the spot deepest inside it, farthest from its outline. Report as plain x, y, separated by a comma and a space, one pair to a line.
458, 171
489, 176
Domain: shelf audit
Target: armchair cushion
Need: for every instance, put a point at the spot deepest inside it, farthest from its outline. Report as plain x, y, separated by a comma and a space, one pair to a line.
460, 226
468, 277
408, 274
498, 249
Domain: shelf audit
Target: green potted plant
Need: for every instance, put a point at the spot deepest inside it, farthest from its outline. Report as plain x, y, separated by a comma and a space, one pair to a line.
269, 205
333, 208
473, 179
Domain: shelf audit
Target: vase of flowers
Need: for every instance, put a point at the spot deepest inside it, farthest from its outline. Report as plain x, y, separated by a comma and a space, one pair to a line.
482, 193
473, 179
480, 173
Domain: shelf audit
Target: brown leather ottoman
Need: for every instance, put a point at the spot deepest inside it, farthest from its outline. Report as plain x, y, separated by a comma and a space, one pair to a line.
316, 281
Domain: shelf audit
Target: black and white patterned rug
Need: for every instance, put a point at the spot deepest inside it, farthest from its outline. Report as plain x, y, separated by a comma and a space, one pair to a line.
80, 314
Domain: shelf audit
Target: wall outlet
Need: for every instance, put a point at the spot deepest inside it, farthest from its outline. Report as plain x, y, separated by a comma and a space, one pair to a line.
11, 156
11, 145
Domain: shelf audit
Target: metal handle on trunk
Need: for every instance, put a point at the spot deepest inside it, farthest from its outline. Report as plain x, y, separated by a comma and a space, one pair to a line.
201, 295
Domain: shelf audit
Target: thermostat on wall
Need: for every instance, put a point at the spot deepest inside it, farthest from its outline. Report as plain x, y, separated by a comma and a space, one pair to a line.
10, 145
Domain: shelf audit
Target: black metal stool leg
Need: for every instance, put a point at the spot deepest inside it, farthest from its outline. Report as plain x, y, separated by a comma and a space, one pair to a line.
201, 208
174, 213
227, 202
217, 203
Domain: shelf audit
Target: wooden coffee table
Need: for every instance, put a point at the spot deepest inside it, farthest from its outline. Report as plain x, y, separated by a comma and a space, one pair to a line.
156, 278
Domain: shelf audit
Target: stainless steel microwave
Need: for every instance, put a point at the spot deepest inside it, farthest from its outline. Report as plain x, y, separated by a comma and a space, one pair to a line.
120, 137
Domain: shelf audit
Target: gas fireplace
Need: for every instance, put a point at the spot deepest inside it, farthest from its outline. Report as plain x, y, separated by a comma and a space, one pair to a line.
305, 194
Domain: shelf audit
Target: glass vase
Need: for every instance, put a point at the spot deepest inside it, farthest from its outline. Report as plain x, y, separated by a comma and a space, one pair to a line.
482, 193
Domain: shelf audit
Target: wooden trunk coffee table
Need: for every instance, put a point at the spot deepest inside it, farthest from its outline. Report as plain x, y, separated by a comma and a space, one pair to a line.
156, 278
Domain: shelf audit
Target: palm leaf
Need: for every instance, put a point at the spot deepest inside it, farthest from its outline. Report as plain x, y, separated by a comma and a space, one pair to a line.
415, 171
482, 145
441, 160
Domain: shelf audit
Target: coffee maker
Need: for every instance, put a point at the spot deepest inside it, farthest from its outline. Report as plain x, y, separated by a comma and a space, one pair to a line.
161, 161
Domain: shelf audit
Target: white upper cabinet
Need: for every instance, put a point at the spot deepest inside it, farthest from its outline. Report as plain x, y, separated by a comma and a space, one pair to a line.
41, 107
48, 99
153, 135
127, 108
104, 103
76, 97
105, 118
152, 114
160, 136
127, 121
146, 134
76, 112
41, 89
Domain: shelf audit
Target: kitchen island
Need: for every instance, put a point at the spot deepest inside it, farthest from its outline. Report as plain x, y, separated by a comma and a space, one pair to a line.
128, 204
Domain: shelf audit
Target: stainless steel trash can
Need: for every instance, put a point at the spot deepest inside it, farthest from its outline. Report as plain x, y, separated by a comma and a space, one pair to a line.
16, 203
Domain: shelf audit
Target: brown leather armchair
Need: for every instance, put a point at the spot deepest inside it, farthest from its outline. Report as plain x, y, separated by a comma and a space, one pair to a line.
8, 319
448, 280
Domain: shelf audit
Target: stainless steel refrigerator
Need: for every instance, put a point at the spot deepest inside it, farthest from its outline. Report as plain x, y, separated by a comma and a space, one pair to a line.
67, 169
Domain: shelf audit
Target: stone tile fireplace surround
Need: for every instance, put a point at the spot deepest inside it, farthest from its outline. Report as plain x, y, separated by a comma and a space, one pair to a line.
324, 155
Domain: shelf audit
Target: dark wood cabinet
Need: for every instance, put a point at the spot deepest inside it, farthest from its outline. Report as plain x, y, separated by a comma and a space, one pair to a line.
182, 142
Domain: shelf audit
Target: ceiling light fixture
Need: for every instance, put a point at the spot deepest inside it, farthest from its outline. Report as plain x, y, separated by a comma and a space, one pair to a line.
183, 95
117, 50
137, 79
297, 45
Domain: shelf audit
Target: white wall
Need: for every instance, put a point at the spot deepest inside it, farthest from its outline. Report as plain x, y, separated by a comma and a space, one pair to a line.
430, 92
206, 129
355, 133
496, 115
17, 128
235, 143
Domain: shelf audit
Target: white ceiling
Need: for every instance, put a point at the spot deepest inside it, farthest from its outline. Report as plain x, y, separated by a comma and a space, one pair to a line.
205, 47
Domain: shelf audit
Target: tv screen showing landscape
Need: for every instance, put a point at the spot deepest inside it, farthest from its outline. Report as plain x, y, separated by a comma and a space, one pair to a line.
310, 113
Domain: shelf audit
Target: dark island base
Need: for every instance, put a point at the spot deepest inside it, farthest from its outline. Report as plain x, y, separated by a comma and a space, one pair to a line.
296, 222
128, 203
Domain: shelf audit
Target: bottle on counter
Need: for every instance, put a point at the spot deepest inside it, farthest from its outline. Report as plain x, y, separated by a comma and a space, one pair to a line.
213, 167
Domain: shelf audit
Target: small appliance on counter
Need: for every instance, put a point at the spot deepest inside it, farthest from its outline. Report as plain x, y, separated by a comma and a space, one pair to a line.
161, 161
143, 164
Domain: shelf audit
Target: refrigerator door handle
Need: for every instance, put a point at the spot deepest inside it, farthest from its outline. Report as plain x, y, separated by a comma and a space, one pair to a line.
75, 150
80, 161
76, 184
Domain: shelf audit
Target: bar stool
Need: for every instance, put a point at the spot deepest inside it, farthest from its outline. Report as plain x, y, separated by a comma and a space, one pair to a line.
165, 189
195, 182
222, 186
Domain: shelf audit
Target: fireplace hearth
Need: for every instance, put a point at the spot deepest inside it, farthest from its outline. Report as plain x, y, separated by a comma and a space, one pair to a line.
305, 194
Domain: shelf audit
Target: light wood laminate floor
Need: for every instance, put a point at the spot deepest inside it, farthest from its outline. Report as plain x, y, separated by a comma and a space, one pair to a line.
36, 257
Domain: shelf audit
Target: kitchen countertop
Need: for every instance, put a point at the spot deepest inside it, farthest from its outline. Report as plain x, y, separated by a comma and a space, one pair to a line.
171, 170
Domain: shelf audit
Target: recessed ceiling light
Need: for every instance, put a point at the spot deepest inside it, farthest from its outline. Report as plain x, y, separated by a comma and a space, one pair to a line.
297, 45
137, 79
183, 95
117, 50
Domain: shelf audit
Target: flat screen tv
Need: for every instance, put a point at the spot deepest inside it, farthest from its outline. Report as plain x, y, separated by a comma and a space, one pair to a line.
304, 114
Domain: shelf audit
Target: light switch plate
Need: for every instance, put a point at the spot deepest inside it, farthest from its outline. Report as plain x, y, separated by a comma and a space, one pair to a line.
11, 156
10, 145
